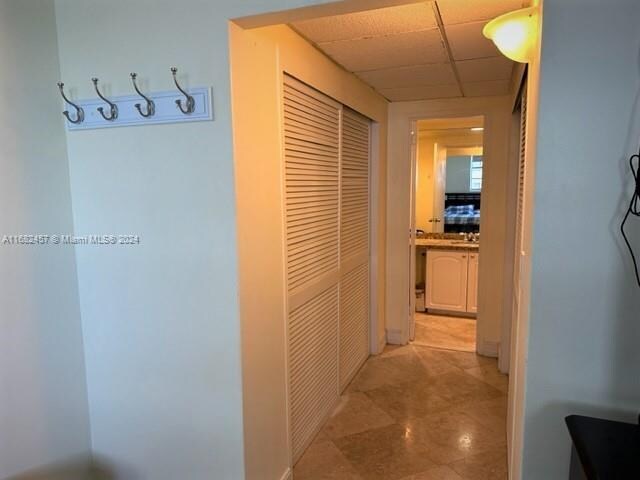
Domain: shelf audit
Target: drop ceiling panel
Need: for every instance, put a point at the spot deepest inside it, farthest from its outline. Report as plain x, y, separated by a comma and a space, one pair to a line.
486, 89
371, 23
467, 42
421, 93
420, 75
377, 53
465, 11
485, 69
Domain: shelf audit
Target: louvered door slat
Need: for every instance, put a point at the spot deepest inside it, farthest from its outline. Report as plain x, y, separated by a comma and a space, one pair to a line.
354, 243
312, 221
311, 137
326, 179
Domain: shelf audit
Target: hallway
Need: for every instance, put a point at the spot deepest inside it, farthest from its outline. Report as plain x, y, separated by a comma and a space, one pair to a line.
415, 413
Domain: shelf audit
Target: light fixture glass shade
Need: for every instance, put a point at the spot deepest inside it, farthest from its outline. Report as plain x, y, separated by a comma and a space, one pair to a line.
514, 33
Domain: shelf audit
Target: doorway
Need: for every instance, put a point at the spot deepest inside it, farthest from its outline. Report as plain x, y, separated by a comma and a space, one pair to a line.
446, 193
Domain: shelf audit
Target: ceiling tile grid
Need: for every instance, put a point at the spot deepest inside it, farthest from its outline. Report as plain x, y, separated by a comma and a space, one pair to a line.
465, 11
413, 76
467, 42
421, 93
486, 89
371, 23
388, 51
403, 53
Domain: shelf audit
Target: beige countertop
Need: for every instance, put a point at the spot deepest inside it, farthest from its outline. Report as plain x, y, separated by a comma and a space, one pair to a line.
446, 244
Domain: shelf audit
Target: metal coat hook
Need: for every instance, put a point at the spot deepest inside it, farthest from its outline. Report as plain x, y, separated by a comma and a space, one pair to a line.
79, 111
190, 103
151, 106
112, 106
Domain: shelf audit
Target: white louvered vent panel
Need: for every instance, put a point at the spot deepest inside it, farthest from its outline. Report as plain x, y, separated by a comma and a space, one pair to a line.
313, 366
354, 176
354, 322
311, 137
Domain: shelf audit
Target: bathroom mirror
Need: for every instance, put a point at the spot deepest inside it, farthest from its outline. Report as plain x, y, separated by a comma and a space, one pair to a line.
449, 163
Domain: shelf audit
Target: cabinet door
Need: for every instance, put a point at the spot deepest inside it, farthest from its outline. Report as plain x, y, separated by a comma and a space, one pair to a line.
447, 280
472, 284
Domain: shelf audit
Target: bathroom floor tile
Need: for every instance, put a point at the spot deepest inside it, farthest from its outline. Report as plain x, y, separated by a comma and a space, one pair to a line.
456, 333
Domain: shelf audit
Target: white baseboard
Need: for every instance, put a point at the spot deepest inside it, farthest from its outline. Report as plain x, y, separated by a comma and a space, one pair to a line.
395, 337
489, 349
287, 475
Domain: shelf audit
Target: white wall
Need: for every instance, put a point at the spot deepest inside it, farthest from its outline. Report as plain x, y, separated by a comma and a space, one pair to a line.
43, 399
258, 58
584, 312
496, 111
161, 320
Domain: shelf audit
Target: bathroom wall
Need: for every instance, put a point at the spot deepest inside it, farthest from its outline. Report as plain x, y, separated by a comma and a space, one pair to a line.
43, 399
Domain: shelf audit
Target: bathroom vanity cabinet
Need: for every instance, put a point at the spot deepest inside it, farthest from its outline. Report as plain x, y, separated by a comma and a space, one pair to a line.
452, 280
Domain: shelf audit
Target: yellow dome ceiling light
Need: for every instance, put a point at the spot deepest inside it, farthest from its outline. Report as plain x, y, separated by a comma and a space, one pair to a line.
514, 33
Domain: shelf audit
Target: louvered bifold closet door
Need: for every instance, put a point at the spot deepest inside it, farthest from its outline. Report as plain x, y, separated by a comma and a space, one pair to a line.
354, 245
312, 195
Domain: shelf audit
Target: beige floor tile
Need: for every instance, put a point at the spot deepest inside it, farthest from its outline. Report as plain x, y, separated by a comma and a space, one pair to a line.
408, 400
387, 453
485, 466
449, 421
437, 473
491, 413
379, 372
356, 413
435, 363
394, 350
455, 333
491, 375
458, 388
323, 461
463, 360
453, 436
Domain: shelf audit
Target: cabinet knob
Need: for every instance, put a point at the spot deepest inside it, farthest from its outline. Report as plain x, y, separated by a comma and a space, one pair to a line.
464, 256
472, 256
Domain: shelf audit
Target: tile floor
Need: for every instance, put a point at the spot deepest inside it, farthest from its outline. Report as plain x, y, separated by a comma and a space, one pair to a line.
415, 413
453, 333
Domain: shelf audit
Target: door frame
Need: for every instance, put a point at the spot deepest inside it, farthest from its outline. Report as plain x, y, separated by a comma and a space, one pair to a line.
413, 177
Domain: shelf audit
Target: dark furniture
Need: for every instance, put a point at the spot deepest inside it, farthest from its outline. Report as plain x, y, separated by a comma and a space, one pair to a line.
603, 449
